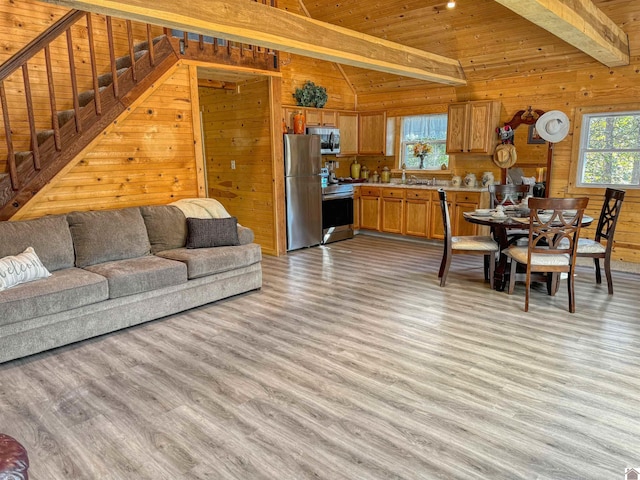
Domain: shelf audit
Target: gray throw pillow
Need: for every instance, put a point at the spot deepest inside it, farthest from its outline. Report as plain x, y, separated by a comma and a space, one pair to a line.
212, 232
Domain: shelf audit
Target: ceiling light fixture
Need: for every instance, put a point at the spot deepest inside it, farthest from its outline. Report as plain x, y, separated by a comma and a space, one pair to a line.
451, 4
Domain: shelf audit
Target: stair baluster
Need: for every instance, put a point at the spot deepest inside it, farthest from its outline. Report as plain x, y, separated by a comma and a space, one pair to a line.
132, 53
74, 81
112, 58
31, 117
55, 125
94, 68
11, 156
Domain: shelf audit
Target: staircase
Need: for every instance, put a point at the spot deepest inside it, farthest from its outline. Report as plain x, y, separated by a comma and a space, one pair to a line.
93, 110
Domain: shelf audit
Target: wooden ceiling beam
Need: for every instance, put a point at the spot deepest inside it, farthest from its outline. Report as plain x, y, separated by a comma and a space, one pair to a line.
254, 23
580, 23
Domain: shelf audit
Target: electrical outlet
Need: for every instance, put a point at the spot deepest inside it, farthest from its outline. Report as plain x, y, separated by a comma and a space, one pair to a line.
337, 164
233, 164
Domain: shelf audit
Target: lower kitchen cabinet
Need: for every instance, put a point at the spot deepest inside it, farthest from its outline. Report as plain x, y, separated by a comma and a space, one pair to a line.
370, 208
417, 213
392, 210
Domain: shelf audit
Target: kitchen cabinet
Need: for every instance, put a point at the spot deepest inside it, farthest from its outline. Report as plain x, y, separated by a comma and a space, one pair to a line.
392, 210
436, 228
318, 117
314, 117
471, 127
417, 212
348, 124
372, 138
370, 208
464, 202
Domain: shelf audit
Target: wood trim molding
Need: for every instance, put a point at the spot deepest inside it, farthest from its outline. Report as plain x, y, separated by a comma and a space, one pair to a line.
259, 24
572, 189
581, 24
197, 132
277, 167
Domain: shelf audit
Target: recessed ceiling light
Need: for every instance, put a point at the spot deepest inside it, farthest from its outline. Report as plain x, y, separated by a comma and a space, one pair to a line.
451, 4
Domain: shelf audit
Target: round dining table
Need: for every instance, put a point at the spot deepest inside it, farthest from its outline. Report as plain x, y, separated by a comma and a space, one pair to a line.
503, 229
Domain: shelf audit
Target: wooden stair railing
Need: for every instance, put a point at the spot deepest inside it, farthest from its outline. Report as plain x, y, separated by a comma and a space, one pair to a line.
92, 110
206, 48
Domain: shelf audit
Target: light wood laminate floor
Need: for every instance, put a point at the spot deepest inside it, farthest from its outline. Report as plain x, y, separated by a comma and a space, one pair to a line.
350, 363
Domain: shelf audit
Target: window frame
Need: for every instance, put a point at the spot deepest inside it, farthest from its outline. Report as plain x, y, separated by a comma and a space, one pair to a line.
573, 155
403, 144
583, 149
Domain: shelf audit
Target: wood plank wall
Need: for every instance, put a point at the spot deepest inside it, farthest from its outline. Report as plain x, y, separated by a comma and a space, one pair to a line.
146, 159
237, 129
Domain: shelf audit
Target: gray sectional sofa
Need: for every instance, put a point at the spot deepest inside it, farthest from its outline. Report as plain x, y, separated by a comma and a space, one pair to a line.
112, 269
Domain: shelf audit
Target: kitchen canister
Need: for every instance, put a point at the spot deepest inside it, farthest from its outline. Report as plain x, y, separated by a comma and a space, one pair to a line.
487, 179
386, 175
470, 180
355, 169
456, 181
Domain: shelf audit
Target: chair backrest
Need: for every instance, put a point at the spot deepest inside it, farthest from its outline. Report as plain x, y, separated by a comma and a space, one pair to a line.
609, 215
446, 219
506, 194
554, 225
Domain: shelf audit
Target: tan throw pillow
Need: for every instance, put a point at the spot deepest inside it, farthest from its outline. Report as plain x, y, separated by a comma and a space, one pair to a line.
22, 268
212, 232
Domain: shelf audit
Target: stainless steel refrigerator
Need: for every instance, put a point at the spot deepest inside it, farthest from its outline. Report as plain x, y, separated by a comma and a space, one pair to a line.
302, 163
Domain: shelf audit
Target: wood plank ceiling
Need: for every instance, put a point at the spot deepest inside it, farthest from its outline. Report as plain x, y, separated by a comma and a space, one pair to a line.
489, 40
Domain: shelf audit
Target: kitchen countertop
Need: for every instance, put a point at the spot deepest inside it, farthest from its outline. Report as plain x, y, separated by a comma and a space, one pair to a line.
446, 186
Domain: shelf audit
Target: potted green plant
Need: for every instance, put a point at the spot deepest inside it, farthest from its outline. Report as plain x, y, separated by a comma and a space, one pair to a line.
311, 95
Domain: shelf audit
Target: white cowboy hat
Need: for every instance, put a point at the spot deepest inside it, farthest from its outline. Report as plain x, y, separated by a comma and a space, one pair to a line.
505, 155
553, 126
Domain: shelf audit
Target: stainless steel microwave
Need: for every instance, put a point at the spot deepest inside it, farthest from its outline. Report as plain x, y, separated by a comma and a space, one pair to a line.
329, 139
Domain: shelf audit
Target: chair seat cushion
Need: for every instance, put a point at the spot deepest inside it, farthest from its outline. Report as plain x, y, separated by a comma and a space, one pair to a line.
590, 246
142, 274
519, 254
479, 243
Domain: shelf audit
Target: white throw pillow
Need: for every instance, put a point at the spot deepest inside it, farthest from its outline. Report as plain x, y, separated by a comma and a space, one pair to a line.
22, 268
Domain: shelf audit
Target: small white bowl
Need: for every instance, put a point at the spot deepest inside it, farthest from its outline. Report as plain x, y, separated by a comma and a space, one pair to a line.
483, 211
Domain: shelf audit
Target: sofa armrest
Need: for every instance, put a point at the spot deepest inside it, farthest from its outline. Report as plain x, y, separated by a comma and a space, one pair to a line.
245, 235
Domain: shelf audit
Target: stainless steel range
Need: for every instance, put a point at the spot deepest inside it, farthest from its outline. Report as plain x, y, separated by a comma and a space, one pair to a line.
337, 212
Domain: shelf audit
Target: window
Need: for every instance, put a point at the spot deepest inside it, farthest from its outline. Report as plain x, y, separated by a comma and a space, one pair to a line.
610, 150
429, 129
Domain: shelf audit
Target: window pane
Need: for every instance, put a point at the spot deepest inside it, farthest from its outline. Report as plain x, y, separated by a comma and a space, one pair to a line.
611, 168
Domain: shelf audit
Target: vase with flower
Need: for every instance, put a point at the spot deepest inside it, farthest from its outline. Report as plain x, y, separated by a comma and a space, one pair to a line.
420, 150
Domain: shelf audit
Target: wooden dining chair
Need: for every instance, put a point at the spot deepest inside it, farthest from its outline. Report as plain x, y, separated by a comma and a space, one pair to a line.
506, 194
467, 245
588, 248
553, 238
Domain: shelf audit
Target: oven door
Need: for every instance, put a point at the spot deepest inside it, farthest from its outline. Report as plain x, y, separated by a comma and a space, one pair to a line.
337, 218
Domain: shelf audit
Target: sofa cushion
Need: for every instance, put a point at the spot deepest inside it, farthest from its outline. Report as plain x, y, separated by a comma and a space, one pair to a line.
166, 227
49, 236
212, 232
104, 236
142, 274
63, 290
22, 268
208, 261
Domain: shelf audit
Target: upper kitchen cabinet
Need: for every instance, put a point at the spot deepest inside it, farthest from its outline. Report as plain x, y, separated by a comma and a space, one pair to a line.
317, 117
348, 124
372, 139
471, 127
